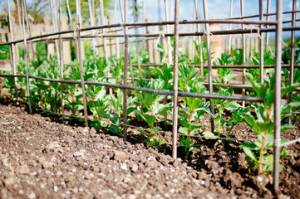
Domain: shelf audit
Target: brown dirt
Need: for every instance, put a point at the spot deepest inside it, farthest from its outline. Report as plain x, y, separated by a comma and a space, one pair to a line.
42, 159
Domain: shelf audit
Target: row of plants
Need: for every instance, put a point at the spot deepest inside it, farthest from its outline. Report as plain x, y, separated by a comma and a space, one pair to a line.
153, 112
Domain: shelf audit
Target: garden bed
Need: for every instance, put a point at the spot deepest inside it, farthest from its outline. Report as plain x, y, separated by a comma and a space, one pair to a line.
43, 159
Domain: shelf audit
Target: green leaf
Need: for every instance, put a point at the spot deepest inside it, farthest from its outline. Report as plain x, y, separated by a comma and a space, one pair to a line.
149, 119
203, 110
186, 142
101, 94
233, 106
184, 131
251, 121
130, 110
287, 127
78, 92
283, 140
249, 153
294, 105
250, 145
210, 136
114, 129
268, 163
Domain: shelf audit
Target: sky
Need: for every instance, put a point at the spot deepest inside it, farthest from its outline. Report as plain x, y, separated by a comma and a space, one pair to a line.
216, 8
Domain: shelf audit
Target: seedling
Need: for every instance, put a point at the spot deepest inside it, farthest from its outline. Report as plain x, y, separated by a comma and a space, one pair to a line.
262, 124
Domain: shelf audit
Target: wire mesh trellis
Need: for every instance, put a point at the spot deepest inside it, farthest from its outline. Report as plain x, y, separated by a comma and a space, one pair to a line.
264, 27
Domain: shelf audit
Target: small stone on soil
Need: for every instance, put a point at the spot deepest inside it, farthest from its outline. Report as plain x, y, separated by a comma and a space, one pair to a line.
120, 155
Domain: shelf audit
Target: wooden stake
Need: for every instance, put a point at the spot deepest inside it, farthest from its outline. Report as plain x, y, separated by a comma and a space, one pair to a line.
175, 80
149, 45
292, 73
267, 19
196, 5
80, 60
61, 55
230, 27
244, 48
27, 25
292, 46
126, 57
210, 77
167, 30
92, 23
103, 22
117, 41
277, 99
12, 50
261, 43
26, 57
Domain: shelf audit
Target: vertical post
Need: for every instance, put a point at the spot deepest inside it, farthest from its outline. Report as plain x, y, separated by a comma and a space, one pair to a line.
277, 112
26, 58
175, 79
30, 44
118, 47
60, 42
19, 19
243, 47
196, 5
169, 47
105, 51
79, 57
19, 8
121, 10
60, 53
292, 67
230, 26
92, 23
292, 45
154, 54
117, 39
126, 55
261, 43
243, 35
69, 13
136, 30
149, 43
12, 49
210, 77
55, 12
190, 45
267, 19
110, 41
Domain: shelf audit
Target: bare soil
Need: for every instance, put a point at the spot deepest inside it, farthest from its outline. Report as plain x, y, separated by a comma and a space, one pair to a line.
43, 159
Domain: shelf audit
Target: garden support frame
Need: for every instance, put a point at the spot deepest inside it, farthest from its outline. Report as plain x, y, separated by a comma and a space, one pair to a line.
126, 61
26, 56
175, 80
79, 58
277, 97
264, 28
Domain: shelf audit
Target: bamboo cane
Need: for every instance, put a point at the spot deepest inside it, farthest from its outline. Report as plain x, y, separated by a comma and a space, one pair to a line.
80, 60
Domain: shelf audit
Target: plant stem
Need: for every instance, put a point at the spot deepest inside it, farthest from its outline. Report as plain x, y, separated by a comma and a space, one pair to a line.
262, 152
165, 101
219, 123
191, 116
73, 104
263, 143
